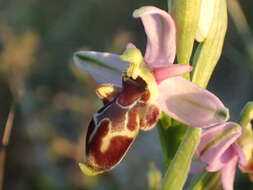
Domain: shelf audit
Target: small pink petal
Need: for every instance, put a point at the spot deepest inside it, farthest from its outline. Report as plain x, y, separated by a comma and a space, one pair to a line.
161, 35
219, 162
228, 174
103, 67
162, 73
190, 104
241, 155
216, 145
214, 132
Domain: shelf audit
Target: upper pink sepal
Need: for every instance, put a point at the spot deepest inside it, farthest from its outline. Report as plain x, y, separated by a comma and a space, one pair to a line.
174, 70
190, 104
161, 35
103, 67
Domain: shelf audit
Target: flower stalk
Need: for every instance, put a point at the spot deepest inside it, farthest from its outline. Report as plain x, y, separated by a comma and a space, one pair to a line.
204, 62
177, 171
171, 134
206, 181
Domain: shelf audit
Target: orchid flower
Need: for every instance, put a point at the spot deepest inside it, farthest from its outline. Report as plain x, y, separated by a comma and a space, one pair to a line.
227, 145
135, 90
220, 151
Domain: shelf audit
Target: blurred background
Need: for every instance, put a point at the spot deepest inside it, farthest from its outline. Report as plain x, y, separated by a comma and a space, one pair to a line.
50, 102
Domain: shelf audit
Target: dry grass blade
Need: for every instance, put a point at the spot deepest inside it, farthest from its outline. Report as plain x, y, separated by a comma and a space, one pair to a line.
5, 142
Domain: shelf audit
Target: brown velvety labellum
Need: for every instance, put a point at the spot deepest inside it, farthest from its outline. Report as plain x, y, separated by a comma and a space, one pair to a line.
118, 145
115, 126
111, 128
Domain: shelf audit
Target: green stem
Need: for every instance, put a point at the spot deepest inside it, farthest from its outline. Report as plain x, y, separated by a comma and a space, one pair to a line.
206, 181
171, 134
179, 167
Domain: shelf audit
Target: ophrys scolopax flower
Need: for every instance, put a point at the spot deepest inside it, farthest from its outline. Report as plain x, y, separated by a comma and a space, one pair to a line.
135, 90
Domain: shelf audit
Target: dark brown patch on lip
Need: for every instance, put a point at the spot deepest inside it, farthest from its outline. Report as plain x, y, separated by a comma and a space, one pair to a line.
96, 142
150, 117
153, 115
91, 128
132, 122
117, 148
251, 122
132, 90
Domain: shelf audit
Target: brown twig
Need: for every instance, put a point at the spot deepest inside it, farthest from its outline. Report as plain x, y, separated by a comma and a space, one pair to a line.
5, 142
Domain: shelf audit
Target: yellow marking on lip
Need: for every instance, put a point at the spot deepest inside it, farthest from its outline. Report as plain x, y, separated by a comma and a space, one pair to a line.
125, 132
107, 91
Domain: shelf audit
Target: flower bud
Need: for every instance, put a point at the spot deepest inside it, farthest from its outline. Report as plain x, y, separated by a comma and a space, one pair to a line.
205, 19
